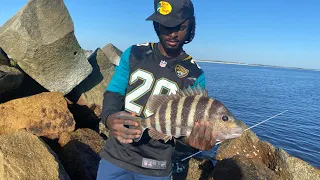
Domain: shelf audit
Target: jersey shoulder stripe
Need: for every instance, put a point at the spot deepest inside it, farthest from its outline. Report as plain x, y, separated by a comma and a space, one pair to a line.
139, 51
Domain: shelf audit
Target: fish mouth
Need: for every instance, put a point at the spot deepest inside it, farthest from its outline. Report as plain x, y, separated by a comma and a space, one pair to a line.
234, 133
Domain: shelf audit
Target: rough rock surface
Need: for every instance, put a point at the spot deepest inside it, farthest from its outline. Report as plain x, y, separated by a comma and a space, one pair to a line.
241, 167
257, 154
294, 168
112, 53
44, 114
25, 156
4, 60
10, 78
40, 37
80, 153
93, 87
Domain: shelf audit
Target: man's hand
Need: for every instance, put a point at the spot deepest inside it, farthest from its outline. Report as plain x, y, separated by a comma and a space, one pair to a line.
123, 134
202, 137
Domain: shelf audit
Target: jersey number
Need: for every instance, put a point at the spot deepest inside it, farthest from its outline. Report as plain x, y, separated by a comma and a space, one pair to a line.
147, 85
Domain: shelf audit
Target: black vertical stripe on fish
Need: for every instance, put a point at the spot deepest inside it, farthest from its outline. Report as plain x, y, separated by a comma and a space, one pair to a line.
162, 117
201, 108
153, 121
185, 112
192, 112
174, 110
213, 109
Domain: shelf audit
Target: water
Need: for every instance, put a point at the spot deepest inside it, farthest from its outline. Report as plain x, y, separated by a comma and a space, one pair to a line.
254, 94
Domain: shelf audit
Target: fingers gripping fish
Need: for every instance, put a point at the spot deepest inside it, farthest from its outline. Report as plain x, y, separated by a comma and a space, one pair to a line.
174, 116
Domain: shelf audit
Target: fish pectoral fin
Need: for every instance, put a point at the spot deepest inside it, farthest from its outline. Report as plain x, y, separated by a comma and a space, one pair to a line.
154, 134
184, 131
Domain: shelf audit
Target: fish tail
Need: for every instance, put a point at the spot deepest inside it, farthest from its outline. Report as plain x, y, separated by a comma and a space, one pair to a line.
141, 123
144, 123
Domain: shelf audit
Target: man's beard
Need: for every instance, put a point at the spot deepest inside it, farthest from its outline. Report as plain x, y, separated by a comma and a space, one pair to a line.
169, 49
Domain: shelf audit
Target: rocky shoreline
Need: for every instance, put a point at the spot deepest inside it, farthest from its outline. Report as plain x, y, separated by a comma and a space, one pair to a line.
51, 93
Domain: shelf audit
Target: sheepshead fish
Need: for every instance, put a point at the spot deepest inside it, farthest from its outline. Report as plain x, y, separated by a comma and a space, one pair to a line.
174, 115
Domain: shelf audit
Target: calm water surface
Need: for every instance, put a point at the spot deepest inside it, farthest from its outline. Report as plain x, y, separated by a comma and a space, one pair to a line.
254, 94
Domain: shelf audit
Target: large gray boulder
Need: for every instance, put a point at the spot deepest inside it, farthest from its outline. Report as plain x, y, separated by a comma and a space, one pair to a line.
10, 78
112, 53
90, 91
40, 37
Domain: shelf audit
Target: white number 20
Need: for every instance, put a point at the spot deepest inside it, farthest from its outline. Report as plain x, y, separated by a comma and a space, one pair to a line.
144, 88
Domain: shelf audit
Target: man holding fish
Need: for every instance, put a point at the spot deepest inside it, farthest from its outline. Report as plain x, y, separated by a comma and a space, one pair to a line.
156, 102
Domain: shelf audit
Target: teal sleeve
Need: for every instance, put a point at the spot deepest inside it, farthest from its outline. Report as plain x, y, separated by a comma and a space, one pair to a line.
119, 80
201, 81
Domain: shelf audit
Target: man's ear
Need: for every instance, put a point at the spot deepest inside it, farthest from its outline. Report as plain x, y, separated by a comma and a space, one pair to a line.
156, 27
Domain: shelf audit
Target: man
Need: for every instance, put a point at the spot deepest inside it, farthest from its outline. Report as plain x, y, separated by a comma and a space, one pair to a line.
146, 69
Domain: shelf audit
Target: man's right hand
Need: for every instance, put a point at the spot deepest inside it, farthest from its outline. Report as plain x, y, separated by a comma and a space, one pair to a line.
123, 134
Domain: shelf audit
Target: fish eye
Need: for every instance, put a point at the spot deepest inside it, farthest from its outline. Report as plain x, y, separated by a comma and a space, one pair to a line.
225, 118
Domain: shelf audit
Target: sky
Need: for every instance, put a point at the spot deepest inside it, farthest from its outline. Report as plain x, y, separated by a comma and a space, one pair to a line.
271, 32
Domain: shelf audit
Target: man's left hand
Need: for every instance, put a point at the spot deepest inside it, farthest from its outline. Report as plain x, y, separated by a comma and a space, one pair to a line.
202, 136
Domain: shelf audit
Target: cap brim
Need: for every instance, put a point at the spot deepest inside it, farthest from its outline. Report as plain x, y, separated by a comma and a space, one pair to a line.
166, 21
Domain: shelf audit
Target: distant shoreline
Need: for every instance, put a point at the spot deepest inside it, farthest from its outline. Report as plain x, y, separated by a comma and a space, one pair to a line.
259, 65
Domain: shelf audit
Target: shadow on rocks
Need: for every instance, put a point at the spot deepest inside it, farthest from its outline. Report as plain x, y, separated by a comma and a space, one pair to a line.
27, 88
195, 169
79, 160
90, 82
84, 116
227, 169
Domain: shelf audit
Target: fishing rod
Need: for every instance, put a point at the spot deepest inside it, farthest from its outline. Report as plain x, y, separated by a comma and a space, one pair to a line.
243, 131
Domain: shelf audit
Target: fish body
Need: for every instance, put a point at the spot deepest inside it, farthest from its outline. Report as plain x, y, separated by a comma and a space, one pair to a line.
174, 115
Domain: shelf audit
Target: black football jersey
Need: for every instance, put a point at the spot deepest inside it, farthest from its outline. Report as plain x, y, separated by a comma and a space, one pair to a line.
144, 71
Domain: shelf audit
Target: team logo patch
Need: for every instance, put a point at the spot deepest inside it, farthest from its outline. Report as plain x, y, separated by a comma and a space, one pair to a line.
181, 71
164, 8
163, 63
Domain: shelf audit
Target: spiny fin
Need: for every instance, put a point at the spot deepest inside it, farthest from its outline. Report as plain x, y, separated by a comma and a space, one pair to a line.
192, 91
156, 101
154, 134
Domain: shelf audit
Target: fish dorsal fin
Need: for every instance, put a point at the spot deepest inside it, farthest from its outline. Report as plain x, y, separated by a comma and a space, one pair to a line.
156, 101
193, 92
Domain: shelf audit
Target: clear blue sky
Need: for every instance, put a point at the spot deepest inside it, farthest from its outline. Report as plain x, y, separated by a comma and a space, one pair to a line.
273, 32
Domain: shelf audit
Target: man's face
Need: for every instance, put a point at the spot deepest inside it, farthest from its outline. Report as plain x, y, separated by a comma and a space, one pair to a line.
172, 38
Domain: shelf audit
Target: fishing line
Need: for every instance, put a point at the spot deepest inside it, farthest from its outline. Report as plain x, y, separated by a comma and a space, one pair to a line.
243, 131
